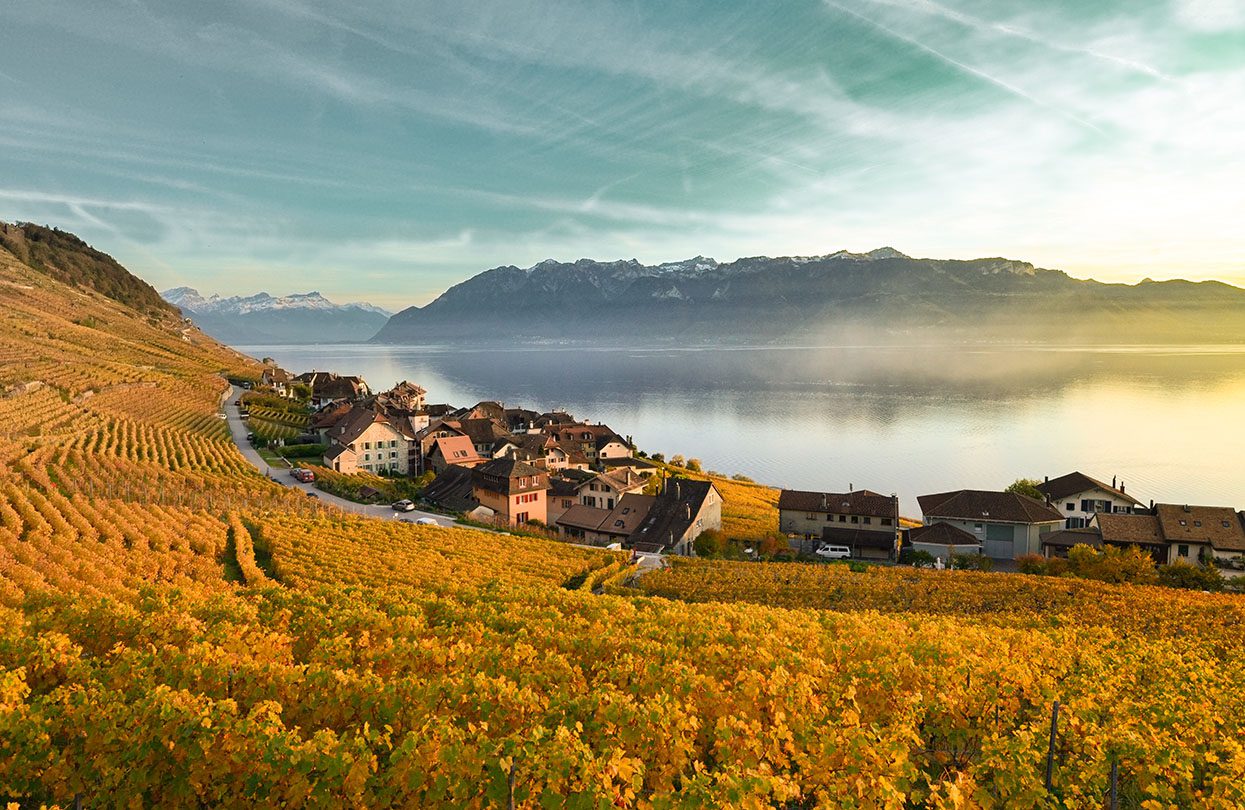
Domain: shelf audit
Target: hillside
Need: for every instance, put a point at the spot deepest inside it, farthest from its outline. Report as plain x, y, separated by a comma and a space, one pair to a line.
67, 258
178, 631
876, 297
263, 318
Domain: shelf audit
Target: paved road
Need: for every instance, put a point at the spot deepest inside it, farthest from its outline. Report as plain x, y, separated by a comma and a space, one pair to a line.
238, 429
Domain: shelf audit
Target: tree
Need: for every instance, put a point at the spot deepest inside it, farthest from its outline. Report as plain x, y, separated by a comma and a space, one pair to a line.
1112, 564
917, 558
1031, 564
658, 457
773, 543
676, 460
709, 543
1182, 574
693, 464
1026, 486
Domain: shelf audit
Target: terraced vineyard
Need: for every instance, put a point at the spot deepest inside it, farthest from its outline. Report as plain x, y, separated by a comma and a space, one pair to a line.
176, 630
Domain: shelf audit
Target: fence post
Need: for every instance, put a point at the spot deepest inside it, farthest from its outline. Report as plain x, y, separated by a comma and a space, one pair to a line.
1050, 750
1115, 784
77, 801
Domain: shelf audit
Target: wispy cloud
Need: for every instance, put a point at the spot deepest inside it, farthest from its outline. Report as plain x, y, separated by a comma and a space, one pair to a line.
930, 8
996, 81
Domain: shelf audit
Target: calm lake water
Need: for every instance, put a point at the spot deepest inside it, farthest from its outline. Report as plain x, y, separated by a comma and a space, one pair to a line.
1170, 422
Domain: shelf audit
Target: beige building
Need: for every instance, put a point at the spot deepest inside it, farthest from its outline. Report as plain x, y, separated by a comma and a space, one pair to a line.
605, 490
453, 450
866, 522
680, 513
368, 441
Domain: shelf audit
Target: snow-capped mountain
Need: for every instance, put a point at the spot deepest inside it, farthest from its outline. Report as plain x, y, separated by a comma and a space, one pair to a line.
190, 298
263, 318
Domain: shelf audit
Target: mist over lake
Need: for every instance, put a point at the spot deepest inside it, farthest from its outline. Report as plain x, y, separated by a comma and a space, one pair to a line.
1169, 421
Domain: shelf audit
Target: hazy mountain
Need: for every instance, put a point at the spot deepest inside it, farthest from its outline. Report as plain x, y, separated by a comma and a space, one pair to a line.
879, 296
68, 259
263, 318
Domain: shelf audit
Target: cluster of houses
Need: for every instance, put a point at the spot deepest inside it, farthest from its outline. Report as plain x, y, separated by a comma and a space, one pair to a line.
1074, 509
583, 480
507, 466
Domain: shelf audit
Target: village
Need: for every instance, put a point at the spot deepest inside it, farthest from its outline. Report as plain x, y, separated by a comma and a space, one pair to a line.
581, 480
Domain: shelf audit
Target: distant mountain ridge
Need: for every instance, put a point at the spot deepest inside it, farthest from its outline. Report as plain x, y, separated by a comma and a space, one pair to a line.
883, 295
263, 318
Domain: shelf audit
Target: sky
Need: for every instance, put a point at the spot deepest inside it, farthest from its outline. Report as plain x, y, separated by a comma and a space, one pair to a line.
384, 151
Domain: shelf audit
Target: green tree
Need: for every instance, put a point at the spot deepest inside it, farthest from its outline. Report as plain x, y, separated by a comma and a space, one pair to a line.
1026, 486
709, 543
1182, 574
693, 464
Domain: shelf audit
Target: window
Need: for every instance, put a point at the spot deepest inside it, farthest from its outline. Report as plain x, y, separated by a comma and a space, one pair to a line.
855, 518
367, 456
977, 527
1182, 549
1184, 523
367, 445
393, 442
1197, 523
810, 516
566, 503
1071, 507
393, 454
521, 517
842, 518
887, 522
868, 520
1226, 524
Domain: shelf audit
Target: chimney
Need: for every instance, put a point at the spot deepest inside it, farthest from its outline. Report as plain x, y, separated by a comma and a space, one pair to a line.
851, 487
1186, 508
1113, 482
1121, 486
688, 508
825, 502
1047, 479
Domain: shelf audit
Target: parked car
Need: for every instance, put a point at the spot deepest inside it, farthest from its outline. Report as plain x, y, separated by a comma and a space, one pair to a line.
403, 505
405, 520
302, 474
830, 552
426, 522
313, 495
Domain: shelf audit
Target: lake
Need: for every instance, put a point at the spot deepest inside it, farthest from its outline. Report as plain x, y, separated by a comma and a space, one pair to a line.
1169, 421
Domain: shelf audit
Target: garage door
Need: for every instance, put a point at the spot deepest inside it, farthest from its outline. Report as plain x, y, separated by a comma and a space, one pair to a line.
999, 542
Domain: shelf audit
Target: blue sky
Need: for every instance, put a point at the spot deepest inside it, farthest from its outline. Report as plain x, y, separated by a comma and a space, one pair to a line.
385, 150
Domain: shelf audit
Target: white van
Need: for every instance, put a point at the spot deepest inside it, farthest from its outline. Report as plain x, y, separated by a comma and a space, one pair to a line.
833, 552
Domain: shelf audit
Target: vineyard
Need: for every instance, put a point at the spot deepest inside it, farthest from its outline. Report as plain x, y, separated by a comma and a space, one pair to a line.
177, 630
270, 421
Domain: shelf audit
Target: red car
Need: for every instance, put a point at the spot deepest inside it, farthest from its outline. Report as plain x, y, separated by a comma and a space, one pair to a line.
305, 476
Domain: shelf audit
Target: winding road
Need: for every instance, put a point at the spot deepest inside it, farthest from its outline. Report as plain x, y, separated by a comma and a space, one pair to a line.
238, 430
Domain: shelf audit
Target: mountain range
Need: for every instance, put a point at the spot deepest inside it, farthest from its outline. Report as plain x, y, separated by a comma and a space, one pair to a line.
263, 318
875, 297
